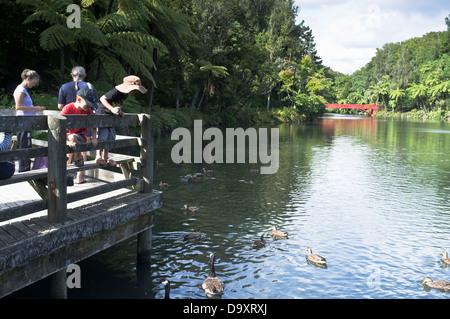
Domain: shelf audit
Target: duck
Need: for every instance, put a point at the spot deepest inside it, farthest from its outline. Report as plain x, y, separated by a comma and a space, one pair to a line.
208, 171
259, 243
445, 258
437, 284
278, 232
166, 284
191, 209
315, 258
212, 285
195, 235
163, 185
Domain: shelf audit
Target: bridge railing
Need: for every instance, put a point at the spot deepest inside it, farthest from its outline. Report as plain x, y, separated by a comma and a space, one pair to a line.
51, 183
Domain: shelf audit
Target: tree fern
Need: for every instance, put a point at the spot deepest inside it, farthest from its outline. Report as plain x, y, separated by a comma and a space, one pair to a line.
55, 37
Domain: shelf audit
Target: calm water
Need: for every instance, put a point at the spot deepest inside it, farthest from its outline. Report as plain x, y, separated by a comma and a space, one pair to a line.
370, 195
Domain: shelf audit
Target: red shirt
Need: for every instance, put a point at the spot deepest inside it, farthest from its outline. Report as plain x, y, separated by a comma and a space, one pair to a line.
71, 109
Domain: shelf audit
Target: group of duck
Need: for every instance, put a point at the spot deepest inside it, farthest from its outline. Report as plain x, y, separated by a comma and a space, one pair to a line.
439, 284
213, 285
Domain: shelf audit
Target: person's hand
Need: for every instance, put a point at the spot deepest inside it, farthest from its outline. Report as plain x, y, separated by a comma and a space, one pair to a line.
72, 144
116, 110
94, 141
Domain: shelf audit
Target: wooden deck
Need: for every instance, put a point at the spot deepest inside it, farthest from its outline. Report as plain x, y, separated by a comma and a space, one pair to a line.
109, 208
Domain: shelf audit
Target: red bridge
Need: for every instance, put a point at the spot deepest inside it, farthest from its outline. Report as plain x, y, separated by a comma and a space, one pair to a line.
369, 109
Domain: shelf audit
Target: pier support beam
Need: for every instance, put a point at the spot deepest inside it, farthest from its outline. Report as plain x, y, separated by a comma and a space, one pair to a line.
58, 285
144, 246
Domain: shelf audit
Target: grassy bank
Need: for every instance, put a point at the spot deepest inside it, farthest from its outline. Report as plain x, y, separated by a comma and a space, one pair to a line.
437, 115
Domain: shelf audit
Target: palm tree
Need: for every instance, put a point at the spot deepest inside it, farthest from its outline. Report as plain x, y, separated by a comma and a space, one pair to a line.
395, 96
419, 93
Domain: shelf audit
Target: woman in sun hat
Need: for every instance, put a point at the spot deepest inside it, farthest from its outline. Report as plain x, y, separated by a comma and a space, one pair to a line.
111, 103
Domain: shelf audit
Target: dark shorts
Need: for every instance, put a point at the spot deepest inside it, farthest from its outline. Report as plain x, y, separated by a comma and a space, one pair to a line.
106, 134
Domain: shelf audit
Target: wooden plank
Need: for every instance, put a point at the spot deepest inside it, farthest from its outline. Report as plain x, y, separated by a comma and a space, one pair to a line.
103, 189
23, 123
17, 211
17, 154
6, 237
146, 173
56, 176
74, 121
14, 232
32, 225
24, 228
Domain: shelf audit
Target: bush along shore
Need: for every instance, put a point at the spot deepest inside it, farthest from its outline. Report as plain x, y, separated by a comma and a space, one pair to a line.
415, 114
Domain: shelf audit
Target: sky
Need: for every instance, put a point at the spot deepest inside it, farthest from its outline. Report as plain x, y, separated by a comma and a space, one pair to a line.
348, 32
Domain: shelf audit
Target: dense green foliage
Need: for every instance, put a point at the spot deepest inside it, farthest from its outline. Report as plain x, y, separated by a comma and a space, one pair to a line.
229, 62
411, 76
224, 59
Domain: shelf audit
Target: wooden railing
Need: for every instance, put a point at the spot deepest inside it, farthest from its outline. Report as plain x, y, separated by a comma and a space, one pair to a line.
51, 183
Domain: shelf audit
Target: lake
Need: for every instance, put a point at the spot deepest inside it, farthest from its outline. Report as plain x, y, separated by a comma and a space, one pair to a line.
370, 195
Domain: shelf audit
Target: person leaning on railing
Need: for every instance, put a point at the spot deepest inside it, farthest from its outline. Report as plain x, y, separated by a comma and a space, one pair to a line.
85, 100
6, 168
24, 106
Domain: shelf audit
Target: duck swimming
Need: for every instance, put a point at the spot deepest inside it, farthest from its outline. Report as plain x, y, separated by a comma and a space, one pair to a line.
278, 232
315, 258
195, 235
207, 171
437, 284
259, 243
163, 185
445, 258
191, 209
212, 285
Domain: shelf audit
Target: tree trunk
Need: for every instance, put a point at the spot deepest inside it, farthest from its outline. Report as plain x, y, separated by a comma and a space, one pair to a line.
62, 69
194, 101
152, 87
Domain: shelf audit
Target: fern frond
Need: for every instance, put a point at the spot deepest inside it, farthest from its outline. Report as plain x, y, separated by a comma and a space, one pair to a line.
112, 67
145, 40
91, 33
55, 37
113, 22
48, 16
87, 3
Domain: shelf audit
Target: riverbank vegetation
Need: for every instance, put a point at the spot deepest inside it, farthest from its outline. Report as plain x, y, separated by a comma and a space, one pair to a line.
227, 62
407, 79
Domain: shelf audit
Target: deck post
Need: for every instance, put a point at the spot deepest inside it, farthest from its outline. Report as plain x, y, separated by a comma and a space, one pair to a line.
57, 167
58, 285
146, 122
144, 245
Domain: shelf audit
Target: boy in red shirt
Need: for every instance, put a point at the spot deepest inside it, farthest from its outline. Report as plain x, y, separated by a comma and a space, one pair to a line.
85, 100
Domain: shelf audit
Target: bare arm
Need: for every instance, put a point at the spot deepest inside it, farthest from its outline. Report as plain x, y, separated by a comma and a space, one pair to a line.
20, 107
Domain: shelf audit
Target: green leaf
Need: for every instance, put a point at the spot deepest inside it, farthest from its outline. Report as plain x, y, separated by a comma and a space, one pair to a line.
55, 37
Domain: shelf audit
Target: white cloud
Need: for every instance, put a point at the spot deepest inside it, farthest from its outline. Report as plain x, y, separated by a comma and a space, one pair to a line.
348, 32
